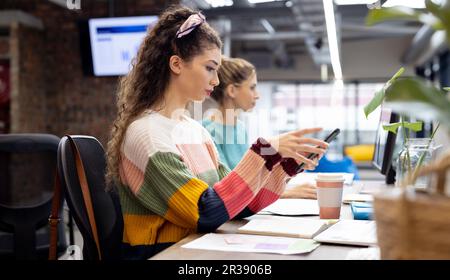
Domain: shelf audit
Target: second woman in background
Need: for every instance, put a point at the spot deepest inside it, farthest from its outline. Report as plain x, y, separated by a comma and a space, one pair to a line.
235, 93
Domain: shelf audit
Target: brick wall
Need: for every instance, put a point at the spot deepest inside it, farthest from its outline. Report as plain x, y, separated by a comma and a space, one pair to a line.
51, 93
4, 80
28, 91
4, 46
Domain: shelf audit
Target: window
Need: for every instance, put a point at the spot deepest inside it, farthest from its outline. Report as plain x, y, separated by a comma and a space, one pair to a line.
286, 107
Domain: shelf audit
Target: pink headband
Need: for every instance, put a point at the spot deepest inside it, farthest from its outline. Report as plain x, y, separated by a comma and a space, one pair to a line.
190, 24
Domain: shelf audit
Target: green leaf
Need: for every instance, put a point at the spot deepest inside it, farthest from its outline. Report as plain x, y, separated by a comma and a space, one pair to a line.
414, 97
438, 16
392, 127
379, 95
441, 12
447, 88
415, 126
396, 75
432, 7
431, 20
438, 26
374, 103
395, 13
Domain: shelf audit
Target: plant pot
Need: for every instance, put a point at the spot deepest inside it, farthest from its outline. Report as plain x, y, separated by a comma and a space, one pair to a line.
415, 153
413, 224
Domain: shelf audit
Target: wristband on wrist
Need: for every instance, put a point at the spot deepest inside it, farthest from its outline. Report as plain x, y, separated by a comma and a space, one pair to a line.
263, 148
289, 166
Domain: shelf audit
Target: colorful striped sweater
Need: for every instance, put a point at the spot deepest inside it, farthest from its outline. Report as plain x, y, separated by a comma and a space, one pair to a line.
173, 183
231, 141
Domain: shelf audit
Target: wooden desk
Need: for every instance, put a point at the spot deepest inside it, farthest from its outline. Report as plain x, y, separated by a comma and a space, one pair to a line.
324, 251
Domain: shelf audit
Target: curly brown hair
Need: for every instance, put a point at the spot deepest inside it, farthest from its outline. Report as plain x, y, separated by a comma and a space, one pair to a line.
145, 84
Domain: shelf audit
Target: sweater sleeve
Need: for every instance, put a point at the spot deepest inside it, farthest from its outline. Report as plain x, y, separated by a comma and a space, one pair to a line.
275, 184
272, 190
170, 189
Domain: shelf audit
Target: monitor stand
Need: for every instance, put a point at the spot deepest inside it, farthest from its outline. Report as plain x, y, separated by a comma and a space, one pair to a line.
390, 176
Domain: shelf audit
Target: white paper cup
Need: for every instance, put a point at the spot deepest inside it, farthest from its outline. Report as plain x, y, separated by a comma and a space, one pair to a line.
329, 194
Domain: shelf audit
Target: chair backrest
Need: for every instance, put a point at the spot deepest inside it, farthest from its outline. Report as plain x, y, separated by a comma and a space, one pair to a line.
106, 205
28, 166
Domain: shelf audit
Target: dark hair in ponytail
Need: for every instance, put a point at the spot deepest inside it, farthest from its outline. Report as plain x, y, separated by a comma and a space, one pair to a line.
232, 71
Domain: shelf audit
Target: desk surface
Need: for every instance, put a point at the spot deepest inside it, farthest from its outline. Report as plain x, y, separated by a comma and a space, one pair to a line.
324, 251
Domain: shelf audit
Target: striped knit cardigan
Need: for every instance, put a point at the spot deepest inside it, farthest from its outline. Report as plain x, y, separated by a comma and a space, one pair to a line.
173, 183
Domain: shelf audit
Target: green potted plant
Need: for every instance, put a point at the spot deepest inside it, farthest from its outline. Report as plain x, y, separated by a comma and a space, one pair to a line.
415, 151
410, 224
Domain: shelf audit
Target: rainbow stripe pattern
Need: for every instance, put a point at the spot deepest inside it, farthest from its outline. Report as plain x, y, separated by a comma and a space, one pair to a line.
173, 183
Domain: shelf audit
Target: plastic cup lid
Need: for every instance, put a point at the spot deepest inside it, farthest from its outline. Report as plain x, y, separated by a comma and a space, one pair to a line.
330, 177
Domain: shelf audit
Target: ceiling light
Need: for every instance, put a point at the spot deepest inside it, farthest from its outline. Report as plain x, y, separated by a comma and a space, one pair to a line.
332, 38
354, 2
219, 3
267, 26
261, 1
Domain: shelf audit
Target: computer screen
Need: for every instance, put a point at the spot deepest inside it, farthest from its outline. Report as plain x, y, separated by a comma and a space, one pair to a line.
115, 42
384, 142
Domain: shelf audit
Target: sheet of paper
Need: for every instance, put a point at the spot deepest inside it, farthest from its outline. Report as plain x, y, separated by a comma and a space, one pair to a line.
351, 232
348, 198
292, 207
294, 227
310, 177
372, 253
252, 243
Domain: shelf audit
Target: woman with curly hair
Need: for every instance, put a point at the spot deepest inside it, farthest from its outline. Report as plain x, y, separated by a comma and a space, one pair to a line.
165, 164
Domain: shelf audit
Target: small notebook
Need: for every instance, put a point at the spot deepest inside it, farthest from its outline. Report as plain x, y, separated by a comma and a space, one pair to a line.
298, 227
350, 232
348, 198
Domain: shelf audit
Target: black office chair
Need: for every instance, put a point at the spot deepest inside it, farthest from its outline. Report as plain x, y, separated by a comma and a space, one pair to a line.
27, 172
106, 204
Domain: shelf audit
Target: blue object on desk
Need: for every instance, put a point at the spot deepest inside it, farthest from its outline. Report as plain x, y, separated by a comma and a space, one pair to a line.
344, 165
362, 210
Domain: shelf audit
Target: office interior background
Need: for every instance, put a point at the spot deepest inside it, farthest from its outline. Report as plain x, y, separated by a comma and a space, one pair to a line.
49, 84
48, 88
305, 78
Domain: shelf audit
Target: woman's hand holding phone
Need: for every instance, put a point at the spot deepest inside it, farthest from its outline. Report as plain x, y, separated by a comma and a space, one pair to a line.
294, 145
314, 156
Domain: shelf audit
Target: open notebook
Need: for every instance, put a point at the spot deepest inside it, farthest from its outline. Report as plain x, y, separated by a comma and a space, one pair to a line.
351, 232
298, 227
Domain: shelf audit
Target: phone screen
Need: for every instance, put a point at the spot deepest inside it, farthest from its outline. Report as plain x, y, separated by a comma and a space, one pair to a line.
327, 139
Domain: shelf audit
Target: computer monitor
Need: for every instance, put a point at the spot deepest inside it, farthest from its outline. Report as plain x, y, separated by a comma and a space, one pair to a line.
385, 145
113, 43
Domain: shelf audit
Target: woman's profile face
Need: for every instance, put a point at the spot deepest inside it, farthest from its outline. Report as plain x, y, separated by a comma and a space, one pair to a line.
199, 76
246, 94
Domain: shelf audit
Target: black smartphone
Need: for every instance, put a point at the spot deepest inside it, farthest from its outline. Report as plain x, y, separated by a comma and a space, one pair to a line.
327, 139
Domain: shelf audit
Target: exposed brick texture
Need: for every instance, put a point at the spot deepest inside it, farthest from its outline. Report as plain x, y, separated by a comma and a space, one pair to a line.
50, 93
28, 89
4, 46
